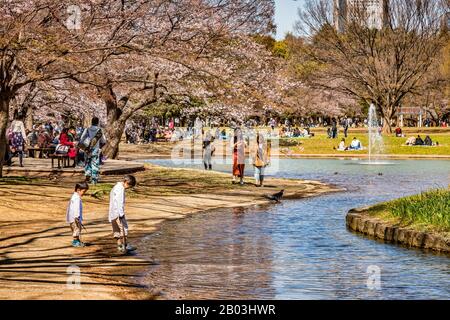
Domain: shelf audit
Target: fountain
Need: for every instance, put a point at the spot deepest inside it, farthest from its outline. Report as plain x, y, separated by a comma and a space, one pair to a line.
376, 145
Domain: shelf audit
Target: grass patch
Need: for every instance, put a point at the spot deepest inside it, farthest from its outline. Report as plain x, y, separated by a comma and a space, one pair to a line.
18, 180
321, 144
426, 211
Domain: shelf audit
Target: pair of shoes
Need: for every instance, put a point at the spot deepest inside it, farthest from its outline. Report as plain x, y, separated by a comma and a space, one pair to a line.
77, 243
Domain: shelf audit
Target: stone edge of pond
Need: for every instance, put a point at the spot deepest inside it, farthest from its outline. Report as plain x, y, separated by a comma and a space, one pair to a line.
360, 221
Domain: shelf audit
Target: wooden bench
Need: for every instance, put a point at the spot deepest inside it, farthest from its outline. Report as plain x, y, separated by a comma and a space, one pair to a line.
32, 152
64, 158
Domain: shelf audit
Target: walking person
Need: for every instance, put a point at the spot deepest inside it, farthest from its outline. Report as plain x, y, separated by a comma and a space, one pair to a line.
18, 136
198, 127
74, 214
346, 124
208, 151
91, 142
334, 130
261, 159
239, 146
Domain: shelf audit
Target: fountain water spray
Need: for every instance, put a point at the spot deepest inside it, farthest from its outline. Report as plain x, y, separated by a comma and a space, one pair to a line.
376, 144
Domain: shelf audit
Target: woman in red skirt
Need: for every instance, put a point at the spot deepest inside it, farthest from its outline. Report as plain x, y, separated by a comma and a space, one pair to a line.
238, 156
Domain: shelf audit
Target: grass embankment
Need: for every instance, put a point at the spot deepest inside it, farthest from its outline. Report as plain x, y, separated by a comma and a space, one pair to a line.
428, 211
161, 181
321, 144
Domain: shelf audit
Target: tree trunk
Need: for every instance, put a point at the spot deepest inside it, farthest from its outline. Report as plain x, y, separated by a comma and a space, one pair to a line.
117, 117
115, 121
87, 120
29, 118
113, 132
388, 113
4, 117
387, 129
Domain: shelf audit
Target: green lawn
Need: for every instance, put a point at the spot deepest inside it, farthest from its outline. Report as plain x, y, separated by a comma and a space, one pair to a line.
320, 144
426, 211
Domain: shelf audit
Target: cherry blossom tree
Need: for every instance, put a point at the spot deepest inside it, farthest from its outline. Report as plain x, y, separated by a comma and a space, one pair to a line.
43, 41
180, 49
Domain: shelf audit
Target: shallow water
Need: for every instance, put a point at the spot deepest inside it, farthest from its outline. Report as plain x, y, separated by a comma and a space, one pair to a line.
301, 249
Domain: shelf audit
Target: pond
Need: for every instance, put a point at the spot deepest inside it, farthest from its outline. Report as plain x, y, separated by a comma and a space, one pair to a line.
301, 249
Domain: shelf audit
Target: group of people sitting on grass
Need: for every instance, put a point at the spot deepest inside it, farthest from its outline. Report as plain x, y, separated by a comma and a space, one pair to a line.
413, 141
355, 145
295, 132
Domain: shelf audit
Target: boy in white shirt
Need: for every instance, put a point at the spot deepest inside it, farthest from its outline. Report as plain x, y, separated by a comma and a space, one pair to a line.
117, 212
74, 214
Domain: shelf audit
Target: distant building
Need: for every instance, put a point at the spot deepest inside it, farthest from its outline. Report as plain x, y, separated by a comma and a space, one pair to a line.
374, 12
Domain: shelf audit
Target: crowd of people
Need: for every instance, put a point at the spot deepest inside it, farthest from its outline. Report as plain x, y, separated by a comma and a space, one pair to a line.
259, 155
82, 146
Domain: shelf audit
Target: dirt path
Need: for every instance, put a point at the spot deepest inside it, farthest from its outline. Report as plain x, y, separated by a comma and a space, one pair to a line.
37, 261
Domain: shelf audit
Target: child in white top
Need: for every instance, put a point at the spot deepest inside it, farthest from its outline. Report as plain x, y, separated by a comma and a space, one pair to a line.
117, 212
74, 215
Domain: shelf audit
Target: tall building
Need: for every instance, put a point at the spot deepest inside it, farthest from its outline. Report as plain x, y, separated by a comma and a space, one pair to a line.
375, 13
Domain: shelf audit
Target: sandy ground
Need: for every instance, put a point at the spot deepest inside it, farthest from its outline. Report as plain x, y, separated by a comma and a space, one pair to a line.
37, 261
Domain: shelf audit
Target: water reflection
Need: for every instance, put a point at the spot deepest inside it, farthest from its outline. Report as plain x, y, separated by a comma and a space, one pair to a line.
221, 255
301, 249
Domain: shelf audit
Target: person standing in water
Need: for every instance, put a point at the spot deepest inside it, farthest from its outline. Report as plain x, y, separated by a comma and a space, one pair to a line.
18, 136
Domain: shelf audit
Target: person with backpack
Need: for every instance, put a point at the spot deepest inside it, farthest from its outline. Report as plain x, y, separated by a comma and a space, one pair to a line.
91, 142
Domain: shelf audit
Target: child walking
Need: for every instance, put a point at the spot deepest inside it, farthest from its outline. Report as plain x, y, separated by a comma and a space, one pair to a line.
74, 215
117, 213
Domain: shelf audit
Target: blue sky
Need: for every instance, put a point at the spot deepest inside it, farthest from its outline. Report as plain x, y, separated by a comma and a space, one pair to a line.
286, 15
